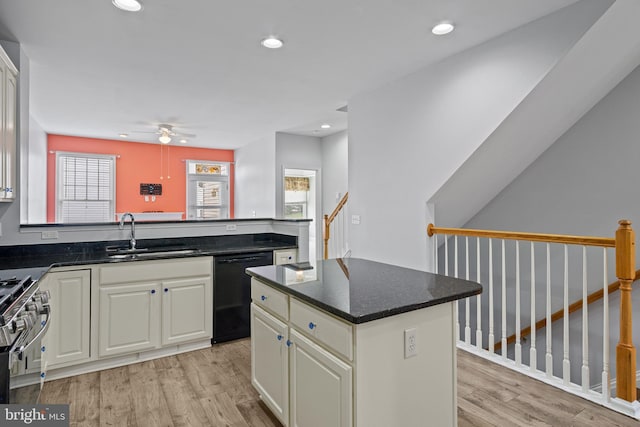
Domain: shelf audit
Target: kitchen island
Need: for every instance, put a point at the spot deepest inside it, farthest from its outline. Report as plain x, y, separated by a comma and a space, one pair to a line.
355, 343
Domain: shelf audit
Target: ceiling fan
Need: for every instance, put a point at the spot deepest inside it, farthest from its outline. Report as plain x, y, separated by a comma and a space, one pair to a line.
166, 133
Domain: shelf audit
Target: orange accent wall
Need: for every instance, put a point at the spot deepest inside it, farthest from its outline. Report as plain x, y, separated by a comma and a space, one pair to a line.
139, 163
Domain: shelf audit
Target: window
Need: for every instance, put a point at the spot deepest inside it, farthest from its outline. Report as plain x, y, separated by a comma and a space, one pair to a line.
85, 190
207, 190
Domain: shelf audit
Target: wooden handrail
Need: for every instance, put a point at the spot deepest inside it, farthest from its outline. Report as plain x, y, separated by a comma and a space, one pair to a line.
328, 219
606, 242
591, 298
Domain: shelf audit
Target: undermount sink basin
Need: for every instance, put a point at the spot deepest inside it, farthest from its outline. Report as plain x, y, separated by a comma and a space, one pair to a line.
151, 253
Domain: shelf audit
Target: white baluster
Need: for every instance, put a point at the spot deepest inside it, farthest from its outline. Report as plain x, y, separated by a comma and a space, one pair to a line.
435, 253
491, 336
503, 348
585, 324
549, 355
566, 364
533, 355
606, 386
478, 299
446, 255
467, 326
457, 303
518, 345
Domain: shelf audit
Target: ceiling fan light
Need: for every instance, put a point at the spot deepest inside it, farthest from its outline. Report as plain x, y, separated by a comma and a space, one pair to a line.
128, 5
164, 138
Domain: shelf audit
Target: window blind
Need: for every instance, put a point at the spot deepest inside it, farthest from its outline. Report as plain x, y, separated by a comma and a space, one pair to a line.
86, 188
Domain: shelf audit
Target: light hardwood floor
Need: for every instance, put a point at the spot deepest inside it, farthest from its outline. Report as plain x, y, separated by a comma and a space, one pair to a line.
212, 387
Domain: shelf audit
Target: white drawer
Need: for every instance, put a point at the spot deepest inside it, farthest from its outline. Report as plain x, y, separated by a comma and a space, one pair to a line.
284, 256
328, 330
272, 300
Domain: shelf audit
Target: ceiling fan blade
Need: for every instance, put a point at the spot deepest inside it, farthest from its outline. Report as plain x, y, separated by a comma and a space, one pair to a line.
186, 135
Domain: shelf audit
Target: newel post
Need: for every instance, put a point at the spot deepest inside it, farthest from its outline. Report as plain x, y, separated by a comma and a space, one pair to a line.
327, 230
625, 351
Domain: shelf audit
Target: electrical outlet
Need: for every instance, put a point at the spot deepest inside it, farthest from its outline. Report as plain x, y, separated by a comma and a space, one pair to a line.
53, 234
232, 227
410, 343
355, 219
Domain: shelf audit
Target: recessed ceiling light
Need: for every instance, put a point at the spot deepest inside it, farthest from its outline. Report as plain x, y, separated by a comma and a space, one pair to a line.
325, 126
272, 43
183, 141
442, 28
128, 5
124, 135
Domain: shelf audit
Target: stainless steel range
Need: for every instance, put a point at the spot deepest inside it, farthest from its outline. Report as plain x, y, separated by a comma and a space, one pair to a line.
24, 318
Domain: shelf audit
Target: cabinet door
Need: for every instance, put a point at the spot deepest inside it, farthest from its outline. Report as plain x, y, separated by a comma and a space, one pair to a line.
321, 386
270, 362
186, 310
67, 339
10, 124
129, 318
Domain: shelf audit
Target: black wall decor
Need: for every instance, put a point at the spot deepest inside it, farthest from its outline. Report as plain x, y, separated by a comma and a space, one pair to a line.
151, 189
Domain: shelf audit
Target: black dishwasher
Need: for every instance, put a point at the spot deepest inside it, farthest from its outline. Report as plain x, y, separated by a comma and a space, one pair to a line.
232, 294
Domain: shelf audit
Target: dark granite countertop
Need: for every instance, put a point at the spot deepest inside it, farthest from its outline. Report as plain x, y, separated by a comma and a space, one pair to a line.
360, 291
35, 260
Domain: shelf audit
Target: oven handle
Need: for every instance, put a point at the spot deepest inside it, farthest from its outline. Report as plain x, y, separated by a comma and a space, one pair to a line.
17, 352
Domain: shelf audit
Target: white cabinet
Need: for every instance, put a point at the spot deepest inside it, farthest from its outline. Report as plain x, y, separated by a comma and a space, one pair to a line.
186, 310
269, 371
146, 305
304, 383
321, 386
67, 339
129, 318
8, 127
284, 256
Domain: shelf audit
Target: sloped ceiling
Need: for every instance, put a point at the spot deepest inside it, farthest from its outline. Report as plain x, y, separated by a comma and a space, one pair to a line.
606, 54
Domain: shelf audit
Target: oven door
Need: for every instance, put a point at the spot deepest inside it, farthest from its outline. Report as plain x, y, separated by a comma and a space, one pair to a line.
26, 365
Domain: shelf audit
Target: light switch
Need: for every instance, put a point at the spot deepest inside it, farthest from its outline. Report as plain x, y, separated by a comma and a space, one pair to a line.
355, 219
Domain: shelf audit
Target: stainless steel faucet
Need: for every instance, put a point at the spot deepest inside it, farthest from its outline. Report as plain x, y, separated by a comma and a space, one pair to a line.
132, 241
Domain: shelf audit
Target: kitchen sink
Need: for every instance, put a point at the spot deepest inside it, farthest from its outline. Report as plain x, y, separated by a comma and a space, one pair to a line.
151, 253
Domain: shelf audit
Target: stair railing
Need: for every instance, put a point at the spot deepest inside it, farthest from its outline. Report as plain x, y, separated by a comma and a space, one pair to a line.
486, 307
339, 227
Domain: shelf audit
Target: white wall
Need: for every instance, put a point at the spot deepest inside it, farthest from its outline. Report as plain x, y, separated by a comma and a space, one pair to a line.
407, 138
335, 167
582, 185
255, 185
34, 171
299, 152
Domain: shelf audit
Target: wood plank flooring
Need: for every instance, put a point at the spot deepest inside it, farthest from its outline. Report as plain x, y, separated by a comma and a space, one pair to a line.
212, 387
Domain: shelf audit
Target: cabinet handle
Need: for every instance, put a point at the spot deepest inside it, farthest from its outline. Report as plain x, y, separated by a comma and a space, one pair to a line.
289, 343
42, 349
42, 375
166, 289
279, 337
263, 298
312, 325
153, 291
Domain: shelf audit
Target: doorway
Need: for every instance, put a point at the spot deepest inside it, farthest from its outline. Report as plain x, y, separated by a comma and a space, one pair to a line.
300, 202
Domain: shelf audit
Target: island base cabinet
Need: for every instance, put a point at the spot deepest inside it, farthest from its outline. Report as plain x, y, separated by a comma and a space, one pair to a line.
186, 310
129, 318
67, 339
269, 371
321, 386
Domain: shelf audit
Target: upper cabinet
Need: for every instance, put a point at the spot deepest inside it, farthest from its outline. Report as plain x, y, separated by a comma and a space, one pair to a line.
8, 127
